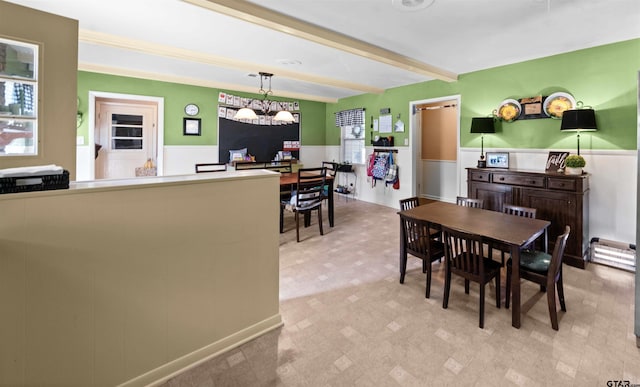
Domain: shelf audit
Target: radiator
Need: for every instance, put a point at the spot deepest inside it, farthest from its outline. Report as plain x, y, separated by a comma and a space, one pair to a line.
612, 253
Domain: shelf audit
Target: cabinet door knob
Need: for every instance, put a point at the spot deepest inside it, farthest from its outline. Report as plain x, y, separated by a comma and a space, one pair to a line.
502, 178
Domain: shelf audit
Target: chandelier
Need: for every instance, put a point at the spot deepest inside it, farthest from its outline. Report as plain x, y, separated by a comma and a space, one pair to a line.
265, 104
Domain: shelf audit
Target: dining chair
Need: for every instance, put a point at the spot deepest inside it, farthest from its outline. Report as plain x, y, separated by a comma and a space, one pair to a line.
469, 202
211, 167
412, 202
307, 198
409, 203
419, 243
510, 209
464, 257
283, 166
546, 271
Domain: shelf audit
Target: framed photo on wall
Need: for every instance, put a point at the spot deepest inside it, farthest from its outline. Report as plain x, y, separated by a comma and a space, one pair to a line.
191, 126
497, 159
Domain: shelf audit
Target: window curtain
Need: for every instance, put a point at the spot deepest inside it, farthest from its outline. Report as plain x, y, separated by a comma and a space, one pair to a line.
350, 117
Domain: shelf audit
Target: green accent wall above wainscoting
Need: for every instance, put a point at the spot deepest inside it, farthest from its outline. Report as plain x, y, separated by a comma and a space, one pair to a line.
603, 77
176, 96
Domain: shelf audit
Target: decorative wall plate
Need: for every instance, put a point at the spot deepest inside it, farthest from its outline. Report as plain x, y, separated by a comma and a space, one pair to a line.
509, 110
557, 103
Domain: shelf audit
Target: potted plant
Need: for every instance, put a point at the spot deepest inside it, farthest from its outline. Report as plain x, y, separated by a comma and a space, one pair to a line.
574, 164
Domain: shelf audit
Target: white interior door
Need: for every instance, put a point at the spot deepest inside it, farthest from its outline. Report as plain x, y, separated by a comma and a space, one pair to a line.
436, 153
127, 134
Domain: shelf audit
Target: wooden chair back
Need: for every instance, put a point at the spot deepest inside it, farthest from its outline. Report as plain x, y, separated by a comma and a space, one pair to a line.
463, 253
211, 167
418, 239
409, 203
283, 166
526, 212
469, 202
556, 258
310, 189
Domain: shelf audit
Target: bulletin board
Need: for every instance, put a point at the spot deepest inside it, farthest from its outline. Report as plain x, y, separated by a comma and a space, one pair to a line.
261, 141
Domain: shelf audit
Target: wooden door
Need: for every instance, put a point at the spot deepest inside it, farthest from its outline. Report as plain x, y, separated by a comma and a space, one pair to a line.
437, 163
127, 136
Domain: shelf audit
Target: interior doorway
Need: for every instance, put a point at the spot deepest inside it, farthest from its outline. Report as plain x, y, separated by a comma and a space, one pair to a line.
125, 138
436, 128
124, 131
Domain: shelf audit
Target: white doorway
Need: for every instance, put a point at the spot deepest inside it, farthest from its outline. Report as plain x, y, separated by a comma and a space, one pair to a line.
435, 136
126, 140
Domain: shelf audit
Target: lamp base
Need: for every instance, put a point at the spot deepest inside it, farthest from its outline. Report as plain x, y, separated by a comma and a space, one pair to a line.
482, 163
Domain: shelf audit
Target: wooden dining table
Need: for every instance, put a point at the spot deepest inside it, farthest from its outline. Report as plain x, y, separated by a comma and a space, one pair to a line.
515, 231
291, 180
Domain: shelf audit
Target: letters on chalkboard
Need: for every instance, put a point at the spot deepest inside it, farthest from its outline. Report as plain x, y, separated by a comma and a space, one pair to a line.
555, 161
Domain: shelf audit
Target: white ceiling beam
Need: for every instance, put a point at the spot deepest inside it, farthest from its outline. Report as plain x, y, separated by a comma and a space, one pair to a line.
277, 21
126, 72
103, 39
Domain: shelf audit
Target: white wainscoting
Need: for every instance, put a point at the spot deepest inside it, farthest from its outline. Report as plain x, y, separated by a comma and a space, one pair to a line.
83, 153
441, 186
612, 197
181, 159
612, 182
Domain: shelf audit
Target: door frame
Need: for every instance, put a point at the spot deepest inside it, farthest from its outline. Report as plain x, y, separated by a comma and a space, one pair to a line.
416, 134
159, 101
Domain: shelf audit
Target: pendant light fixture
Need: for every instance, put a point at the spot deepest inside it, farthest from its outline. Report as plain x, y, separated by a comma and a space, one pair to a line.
265, 104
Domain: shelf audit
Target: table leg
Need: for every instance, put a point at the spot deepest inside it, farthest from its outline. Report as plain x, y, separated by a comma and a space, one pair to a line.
403, 253
330, 210
515, 286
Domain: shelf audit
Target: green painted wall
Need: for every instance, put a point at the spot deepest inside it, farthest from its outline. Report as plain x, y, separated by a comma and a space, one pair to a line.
603, 77
176, 96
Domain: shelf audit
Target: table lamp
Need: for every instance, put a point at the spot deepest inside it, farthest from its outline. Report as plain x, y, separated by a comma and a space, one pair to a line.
579, 120
482, 125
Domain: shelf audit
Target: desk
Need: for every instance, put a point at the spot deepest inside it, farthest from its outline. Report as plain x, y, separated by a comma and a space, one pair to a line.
514, 231
291, 179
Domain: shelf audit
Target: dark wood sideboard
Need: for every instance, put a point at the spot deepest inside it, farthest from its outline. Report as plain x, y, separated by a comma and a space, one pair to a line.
558, 198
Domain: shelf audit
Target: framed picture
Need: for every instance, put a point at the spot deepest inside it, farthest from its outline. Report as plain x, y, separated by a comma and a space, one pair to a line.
555, 161
191, 126
497, 160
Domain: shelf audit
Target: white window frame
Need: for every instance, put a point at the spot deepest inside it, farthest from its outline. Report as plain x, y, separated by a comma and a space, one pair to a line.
352, 143
13, 118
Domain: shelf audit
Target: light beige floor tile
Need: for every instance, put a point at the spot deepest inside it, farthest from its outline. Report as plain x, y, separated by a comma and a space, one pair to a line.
349, 322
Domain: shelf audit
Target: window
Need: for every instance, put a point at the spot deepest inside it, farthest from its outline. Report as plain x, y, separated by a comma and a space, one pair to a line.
353, 150
18, 98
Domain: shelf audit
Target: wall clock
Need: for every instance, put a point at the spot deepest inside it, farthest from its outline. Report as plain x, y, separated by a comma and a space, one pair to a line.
191, 109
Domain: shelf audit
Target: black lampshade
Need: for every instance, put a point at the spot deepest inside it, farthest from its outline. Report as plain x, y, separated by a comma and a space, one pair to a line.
482, 125
579, 119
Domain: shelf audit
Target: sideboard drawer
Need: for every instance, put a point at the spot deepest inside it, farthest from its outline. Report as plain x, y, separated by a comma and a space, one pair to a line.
529, 181
563, 184
480, 176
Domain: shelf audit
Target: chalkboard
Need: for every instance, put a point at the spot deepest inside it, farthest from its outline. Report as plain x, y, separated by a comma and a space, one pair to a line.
261, 141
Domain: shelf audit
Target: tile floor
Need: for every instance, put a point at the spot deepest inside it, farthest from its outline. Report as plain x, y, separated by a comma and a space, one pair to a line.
348, 322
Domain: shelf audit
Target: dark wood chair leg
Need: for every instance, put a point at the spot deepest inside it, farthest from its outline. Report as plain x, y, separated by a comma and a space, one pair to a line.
281, 218
428, 290
424, 266
298, 226
561, 293
551, 299
320, 220
481, 306
498, 290
403, 267
508, 288
447, 287
466, 286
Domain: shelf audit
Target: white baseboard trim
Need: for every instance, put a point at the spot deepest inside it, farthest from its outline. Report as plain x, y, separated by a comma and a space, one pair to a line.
169, 370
